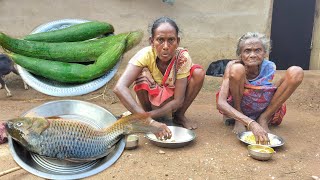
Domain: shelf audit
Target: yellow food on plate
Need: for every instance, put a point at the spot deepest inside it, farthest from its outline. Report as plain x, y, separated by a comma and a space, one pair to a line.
252, 140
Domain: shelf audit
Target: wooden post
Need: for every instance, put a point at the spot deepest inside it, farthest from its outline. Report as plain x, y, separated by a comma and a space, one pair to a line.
315, 46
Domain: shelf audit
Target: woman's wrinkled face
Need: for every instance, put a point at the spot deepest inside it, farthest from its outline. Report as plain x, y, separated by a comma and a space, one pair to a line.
252, 52
165, 41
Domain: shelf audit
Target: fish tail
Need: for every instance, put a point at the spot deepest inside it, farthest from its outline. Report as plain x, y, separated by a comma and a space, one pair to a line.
134, 123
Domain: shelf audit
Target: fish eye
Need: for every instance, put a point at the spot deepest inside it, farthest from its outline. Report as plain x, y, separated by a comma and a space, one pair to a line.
19, 124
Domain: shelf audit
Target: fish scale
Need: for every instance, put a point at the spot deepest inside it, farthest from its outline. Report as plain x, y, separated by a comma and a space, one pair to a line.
70, 139
88, 142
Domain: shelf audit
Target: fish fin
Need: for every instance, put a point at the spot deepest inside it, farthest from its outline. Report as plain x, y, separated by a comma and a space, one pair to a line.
109, 150
75, 160
57, 118
54, 117
78, 160
136, 123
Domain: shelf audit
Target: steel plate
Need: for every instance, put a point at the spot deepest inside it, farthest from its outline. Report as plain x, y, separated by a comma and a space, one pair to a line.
59, 169
180, 138
55, 88
275, 141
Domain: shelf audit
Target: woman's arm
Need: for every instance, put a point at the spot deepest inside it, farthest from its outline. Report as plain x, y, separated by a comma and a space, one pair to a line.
124, 94
227, 109
122, 88
223, 105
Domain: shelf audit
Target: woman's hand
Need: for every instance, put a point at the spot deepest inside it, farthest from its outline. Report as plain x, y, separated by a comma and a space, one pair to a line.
260, 134
163, 132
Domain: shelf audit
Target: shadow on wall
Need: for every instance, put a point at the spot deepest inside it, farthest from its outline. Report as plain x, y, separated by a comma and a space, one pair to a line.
217, 68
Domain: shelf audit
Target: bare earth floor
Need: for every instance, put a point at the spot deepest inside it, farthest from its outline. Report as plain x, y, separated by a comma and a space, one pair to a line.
215, 154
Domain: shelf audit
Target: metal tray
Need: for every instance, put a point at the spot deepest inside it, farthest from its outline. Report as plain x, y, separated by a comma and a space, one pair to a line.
55, 88
180, 138
275, 141
58, 169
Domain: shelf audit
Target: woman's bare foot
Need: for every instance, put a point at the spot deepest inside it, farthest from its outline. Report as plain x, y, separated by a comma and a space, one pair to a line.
228, 121
185, 122
239, 128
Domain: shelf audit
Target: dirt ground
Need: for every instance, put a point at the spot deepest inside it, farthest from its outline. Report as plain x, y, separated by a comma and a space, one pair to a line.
216, 153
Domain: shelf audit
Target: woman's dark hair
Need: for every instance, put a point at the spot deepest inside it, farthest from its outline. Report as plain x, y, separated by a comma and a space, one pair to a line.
161, 20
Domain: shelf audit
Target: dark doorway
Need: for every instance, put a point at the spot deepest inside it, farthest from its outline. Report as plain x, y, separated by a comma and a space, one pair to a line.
291, 33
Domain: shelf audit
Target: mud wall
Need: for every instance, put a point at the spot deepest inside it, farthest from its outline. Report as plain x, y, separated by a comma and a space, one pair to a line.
210, 28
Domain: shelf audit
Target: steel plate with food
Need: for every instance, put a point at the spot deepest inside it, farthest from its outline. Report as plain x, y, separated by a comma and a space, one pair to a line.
52, 168
248, 138
180, 138
55, 88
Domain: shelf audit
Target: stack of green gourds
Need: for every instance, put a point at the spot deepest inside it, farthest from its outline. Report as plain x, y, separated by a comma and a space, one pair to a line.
73, 54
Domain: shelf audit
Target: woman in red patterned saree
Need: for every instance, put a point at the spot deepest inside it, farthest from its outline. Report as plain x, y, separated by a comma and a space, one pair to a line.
164, 77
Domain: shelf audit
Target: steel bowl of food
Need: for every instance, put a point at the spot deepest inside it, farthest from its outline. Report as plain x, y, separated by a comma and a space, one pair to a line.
55, 88
132, 141
180, 138
260, 152
247, 137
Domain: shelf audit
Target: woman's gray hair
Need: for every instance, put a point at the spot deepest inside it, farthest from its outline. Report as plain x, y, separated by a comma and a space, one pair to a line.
262, 37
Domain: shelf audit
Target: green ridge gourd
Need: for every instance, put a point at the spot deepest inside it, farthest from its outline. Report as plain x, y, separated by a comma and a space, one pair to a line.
72, 72
84, 51
78, 32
